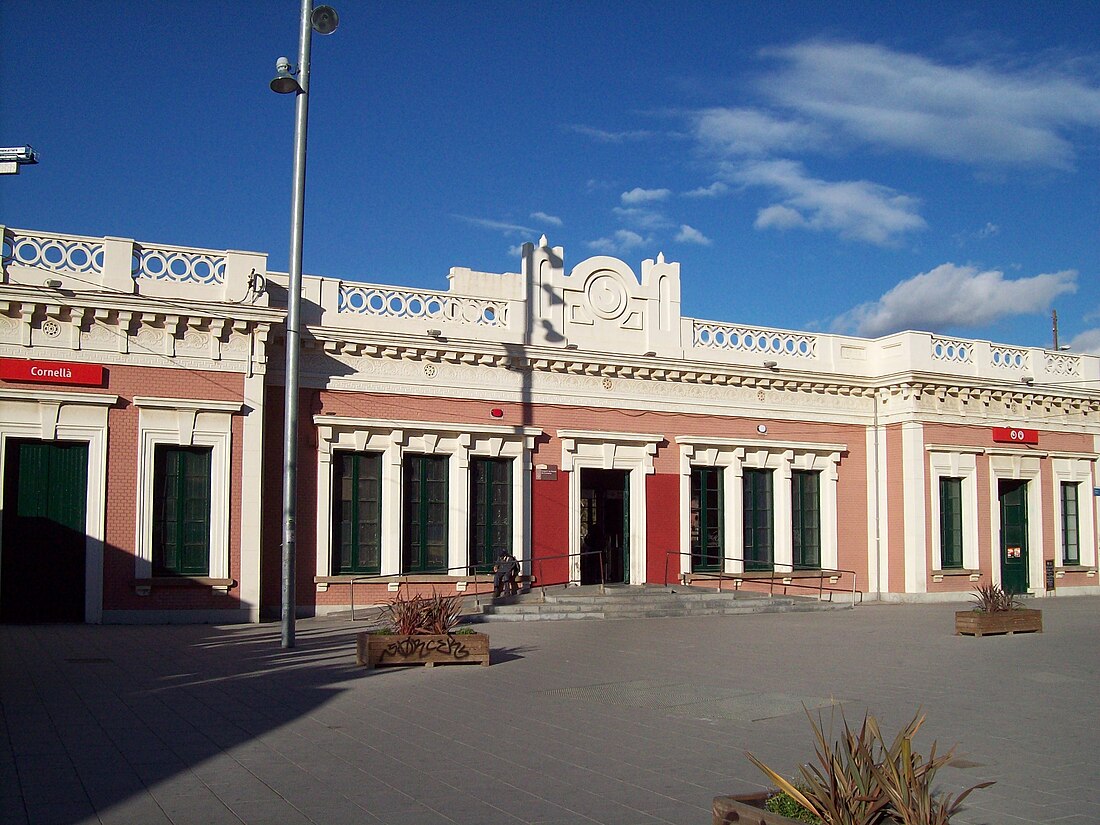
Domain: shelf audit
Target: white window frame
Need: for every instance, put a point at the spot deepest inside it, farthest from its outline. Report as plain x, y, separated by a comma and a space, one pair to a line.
1077, 470
182, 422
734, 455
396, 439
963, 465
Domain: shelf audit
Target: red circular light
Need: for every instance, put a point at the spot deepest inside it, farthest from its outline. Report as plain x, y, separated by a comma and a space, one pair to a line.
496, 412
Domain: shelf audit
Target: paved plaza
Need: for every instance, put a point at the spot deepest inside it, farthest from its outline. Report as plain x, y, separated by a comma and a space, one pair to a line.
612, 721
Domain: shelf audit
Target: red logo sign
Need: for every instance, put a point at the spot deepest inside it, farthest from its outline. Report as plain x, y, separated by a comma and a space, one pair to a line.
1015, 435
51, 372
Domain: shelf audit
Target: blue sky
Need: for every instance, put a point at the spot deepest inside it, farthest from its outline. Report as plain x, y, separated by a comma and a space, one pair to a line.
849, 167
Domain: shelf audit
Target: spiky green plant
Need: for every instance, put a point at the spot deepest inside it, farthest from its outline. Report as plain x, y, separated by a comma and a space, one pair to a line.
862, 780
906, 778
443, 612
417, 616
992, 598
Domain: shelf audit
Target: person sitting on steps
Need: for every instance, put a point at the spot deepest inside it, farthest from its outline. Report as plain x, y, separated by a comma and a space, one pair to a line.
504, 574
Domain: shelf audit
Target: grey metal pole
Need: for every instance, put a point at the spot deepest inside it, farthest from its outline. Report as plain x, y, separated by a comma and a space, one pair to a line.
293, 330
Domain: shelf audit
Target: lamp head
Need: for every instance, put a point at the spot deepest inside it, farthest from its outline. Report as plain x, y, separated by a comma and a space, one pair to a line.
284, 82
324, 20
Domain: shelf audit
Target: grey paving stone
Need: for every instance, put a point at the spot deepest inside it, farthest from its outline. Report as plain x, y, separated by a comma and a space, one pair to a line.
602, 721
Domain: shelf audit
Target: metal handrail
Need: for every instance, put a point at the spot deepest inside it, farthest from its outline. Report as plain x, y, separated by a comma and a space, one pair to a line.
773, 574
580, 554
403, 579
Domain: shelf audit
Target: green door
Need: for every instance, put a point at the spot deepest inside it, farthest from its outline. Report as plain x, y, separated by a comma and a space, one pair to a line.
425, 489
42, 550
707, 519
758, 520
1013, 498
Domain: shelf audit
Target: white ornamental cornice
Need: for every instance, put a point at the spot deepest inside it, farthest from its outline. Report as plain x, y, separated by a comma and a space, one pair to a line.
556, 361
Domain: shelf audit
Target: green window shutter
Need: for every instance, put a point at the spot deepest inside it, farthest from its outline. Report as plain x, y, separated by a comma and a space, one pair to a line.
806, 519
951, 524
425, 514
357, 512
181, 510
707, 519
758, 519
1071, 546
490, 511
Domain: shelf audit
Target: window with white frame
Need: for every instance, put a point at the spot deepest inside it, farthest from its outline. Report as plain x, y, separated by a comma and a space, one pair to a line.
778, 502
1074, 521
181, 510
1071, 544
183, 502
357, 512
953, 488
424, 473
951, 523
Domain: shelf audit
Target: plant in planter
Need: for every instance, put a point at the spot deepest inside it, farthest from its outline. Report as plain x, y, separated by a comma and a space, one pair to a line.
997, 611
858, 780
422, 632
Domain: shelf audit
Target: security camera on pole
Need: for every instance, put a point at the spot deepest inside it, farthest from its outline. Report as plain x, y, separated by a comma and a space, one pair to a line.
291, 80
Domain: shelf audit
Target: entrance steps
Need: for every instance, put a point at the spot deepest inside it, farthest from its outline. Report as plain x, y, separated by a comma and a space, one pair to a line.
640, 602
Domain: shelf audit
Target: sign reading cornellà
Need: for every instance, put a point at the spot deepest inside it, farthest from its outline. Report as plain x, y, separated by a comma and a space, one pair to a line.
1015, 435
51, 372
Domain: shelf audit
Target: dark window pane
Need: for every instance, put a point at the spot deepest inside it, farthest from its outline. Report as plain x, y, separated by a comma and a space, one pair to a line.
357, 512
181, 510
951, 529
757, 509
1071, 547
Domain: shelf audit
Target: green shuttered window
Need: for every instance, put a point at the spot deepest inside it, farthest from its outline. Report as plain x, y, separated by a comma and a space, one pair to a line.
1071, 546
181, 514
357, 512
951, 524
425, 514
806, 519
707, 528
490, 511
758, 515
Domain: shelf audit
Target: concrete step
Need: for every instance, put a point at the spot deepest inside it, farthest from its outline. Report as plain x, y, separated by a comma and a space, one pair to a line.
623, 602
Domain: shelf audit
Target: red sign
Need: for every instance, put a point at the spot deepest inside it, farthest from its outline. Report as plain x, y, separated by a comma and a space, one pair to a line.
1015, 435
51, 372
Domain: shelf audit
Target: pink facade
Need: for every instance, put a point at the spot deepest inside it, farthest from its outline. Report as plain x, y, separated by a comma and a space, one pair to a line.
439, 428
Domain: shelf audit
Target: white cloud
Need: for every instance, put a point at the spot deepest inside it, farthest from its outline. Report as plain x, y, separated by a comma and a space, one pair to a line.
856, 209
621, 241
544, 218
779, 217
1087, 342
499, 226
751, 132
952, 296
638, 195
604, 136
975, 113
689, 234
641, 218
716, 189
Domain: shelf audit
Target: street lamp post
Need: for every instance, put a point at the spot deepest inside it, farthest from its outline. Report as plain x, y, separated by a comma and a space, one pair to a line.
324, 20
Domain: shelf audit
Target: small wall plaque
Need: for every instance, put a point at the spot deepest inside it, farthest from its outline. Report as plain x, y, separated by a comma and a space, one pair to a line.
546, 472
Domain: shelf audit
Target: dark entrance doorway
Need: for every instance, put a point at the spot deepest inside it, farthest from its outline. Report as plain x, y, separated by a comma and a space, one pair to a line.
1013, 500
605, 525
42, 550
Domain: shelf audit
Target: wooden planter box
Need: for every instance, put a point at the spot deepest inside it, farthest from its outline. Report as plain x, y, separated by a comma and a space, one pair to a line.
379, 649
976, 623
747, 809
